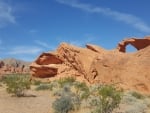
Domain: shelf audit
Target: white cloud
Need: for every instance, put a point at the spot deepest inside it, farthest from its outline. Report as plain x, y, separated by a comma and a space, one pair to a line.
33, 31
31, 50
45, 45
6, 14
82, 42
86, 38
124, 17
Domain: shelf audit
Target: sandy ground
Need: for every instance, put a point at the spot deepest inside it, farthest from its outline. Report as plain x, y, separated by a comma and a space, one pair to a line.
39, 104
42, 103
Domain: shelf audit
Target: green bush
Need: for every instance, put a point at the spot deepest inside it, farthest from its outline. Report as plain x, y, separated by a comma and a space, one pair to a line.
36, 82
66, 81
65, 91
137, 95
109, 98
63, 104
17, 84
100, 99
82, 90
44, 87
131, 104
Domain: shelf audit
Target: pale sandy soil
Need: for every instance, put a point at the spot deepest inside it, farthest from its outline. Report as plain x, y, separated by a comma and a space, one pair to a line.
39, 104
42, 103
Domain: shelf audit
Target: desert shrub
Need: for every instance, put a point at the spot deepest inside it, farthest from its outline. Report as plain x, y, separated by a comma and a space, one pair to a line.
128, 99
82, 93
63, 104
137, 95
44, 87
66, 81
131, 104
63, 91
109, 98
138, 107
82, 90
147, 101
36, 82
67, 92
17, 84
1, 79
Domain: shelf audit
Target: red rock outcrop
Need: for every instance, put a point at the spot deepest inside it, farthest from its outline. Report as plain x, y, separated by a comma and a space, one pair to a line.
137, 43
94, 64
8, 66
45, 65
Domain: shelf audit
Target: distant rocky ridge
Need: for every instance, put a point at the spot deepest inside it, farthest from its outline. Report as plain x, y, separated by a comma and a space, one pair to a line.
94, 64
11, 65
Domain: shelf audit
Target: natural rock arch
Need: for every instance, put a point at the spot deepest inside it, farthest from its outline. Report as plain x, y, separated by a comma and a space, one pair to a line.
130, 49
135, 42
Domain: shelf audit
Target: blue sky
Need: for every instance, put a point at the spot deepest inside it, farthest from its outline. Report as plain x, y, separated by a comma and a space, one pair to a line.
30, 27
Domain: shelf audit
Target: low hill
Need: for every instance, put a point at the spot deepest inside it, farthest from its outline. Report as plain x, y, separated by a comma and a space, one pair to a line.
12, 65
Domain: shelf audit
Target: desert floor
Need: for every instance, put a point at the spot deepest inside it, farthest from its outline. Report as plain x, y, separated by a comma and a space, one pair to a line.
41, 103
38, 102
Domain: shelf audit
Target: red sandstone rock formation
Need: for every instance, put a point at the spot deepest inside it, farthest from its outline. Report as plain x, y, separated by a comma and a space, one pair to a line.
45, 65
8, 66
137, 43
97, 65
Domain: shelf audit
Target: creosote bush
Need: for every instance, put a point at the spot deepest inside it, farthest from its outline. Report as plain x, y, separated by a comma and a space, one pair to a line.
63, 104
137, 95
72, 95
36, 82
66, 81
109, 98
82, 90
66, 102
17, 84
44, 86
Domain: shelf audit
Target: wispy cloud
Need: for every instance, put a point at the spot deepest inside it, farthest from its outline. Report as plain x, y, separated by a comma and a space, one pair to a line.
82, 42
33, 31
130, 19
6, 14
86, 38
31, 50
45, 45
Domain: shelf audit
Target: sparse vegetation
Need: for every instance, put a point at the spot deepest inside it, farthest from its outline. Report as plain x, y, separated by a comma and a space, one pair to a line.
72, 96
36, 82
102, 99
131, 104
66, 81
17, 84
137, 95
44, 87
109, 99
63, 104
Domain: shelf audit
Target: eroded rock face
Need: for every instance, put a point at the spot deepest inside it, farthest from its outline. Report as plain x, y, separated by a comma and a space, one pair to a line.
94, 64
45, 65
137, 43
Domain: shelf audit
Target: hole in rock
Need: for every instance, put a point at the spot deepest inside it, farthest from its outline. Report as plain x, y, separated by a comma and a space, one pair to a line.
130, 48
